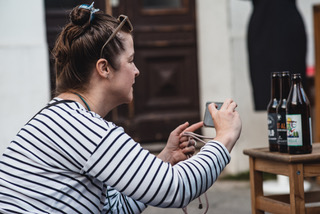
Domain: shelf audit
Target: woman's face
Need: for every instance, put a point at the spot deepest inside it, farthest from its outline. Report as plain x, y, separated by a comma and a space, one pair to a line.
124, 77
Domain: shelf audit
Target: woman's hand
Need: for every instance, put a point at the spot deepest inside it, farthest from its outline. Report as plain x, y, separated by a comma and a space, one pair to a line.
178, 147
227, 123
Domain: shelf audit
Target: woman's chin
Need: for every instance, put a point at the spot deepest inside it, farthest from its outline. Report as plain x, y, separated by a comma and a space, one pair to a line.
129, 100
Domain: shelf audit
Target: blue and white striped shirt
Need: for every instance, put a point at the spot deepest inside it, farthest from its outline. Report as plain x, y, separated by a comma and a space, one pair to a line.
70, 160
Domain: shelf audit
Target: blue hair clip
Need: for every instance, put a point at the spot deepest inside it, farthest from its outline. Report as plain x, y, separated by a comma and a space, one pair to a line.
91, 8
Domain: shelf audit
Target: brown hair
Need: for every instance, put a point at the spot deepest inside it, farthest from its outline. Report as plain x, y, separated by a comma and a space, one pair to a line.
78, 47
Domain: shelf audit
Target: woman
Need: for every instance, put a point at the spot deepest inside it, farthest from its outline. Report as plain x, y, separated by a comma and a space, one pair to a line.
68, 159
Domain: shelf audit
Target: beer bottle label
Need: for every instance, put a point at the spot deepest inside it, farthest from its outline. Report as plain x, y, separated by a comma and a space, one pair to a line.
272, 128
282, 129
294, 130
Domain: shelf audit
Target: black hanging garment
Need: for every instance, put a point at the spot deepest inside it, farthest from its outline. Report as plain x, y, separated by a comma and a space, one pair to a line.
276, 42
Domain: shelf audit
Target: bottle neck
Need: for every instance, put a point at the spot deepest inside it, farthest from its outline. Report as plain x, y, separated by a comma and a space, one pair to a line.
297, 94
296, 80
285, 86
275, 87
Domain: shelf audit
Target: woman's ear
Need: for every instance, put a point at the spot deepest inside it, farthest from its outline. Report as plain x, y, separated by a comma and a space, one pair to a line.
102, 66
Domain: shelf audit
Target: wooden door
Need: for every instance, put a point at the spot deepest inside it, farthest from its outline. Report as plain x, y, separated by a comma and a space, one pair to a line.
166, 93
316, 28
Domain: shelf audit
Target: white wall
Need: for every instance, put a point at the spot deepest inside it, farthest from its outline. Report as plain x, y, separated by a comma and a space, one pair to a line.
306, 9
24, 68
223, 67
223, 70
254, 131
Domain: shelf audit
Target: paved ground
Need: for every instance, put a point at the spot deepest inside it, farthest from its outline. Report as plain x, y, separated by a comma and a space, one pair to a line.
225, 197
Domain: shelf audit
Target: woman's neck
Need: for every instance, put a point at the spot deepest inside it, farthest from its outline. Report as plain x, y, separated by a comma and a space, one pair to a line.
91, 103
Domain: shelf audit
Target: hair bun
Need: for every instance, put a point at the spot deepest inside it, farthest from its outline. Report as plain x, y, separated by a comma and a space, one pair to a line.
79, 16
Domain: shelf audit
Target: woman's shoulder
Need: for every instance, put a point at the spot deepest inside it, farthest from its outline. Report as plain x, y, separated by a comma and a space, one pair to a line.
76, 114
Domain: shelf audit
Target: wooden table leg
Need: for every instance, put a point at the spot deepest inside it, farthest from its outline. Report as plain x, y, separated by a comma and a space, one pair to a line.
256, 186
297, 199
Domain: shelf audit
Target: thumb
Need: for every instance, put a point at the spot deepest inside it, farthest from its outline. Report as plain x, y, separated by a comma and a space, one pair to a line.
212, 109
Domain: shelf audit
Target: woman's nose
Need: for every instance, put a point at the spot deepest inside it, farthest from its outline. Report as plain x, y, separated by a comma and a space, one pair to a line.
137, 72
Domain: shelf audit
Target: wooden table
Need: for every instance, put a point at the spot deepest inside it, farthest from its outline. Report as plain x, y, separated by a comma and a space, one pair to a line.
296, 167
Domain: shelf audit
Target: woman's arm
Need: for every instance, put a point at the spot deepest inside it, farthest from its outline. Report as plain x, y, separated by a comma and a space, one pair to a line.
123, 164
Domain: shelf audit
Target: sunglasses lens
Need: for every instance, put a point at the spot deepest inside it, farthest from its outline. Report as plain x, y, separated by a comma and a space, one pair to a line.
127, 22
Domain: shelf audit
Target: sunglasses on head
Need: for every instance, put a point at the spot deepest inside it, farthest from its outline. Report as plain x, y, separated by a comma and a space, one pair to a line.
123, 20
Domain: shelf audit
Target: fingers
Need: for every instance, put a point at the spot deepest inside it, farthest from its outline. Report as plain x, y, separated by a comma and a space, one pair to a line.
183, 144
188, 147
183, 138
177, 131
228, 104
231, 105
187, 143
192, 128
189, 151
212, 108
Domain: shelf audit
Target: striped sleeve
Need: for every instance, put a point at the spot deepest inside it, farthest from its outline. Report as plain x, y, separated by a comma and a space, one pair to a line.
118, 203
124, 165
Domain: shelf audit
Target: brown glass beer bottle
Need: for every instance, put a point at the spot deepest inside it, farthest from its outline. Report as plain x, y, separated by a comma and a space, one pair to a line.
299, 131
272, 111
281, 112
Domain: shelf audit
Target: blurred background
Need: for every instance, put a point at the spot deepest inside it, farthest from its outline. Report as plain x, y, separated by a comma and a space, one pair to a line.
188, 52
